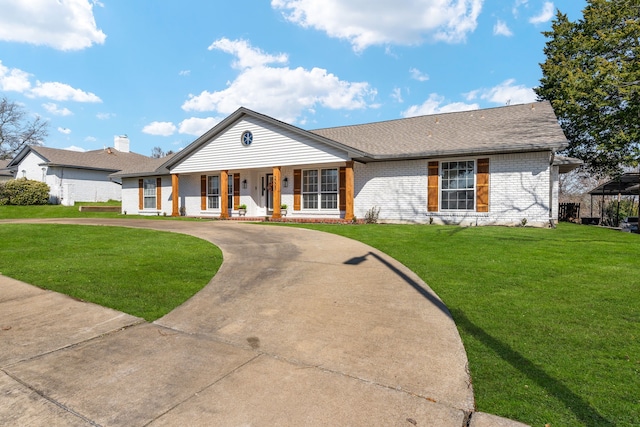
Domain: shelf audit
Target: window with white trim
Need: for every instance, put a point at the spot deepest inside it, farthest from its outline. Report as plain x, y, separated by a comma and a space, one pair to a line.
457, 185
213, 192
149, 193
320, 189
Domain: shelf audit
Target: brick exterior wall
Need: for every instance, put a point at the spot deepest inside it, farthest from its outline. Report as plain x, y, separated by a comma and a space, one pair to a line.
82, 184
519, 188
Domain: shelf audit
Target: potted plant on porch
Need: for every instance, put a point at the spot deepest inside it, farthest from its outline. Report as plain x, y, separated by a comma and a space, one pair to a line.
283, 209
242, 209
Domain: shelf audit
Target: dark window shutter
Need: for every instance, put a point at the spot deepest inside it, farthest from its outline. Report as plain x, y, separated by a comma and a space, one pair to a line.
203, 192
432, 187
482, 185
297, 188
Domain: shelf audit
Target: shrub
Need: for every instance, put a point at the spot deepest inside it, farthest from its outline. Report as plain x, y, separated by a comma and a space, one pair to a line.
371, 217
614, 214
24, 192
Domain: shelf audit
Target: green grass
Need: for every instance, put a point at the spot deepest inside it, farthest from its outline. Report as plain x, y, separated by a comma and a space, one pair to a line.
56, 211
59, 211
145, 273
550, 319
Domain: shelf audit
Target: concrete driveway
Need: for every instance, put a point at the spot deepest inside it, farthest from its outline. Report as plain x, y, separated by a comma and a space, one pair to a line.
297, 328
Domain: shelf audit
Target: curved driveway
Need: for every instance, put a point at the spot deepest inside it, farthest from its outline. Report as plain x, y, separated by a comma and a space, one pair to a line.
297, 328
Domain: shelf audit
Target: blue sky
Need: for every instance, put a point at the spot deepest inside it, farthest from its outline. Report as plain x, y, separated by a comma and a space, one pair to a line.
164, 71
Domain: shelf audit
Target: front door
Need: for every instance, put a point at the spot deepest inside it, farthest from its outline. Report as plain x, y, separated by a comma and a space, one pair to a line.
269, 192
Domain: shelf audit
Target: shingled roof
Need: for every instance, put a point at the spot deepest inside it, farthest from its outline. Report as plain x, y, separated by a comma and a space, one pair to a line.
4, 168
108, 159
516, 128
150, 166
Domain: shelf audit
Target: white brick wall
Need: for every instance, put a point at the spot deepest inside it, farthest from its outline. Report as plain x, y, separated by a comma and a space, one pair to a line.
399, 189
130, 197
519, 188
84, 185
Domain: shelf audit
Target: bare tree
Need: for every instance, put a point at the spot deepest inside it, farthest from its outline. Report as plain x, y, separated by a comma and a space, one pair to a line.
575, 186
16, 130
157, 152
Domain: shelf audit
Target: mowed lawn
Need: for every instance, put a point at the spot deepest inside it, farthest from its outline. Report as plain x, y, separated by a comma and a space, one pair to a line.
58, 211
145, 273
550, 319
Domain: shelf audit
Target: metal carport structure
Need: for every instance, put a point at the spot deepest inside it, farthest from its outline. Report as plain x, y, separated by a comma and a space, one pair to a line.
627, 184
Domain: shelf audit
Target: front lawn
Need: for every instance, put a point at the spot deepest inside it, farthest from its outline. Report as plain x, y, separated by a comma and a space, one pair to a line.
57, 211
550, 319
145, 273
60, 211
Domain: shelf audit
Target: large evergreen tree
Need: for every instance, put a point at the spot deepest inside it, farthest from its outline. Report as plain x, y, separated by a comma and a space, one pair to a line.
592, 78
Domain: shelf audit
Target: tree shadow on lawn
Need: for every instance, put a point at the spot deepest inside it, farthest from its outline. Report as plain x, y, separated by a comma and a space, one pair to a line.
580, 408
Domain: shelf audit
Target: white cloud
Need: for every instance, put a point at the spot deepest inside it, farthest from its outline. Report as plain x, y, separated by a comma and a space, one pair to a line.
502, 29
434, 105
75, 148
54, 109
470, 96
366, 24
418, 75
506, 92
396, 95
545, 15
13, 79
516, 6
184, 72
281, 92
61, 92
247, 55
197, 126
63, 25
65, 131
160, 128
90, 139
105, 116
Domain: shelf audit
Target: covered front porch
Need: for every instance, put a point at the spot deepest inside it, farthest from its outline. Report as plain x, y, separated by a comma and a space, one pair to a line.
323, 192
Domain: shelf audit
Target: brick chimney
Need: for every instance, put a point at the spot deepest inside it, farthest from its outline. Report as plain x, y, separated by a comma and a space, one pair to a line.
121, 143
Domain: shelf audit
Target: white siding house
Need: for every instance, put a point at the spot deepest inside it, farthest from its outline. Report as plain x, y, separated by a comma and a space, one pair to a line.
494, 166
75, 176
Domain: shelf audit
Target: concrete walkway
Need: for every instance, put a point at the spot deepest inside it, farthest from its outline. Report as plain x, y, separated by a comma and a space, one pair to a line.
297, 328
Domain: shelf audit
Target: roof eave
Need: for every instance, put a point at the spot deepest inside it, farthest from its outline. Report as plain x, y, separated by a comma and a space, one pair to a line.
140, 174
62, 165
434, 154
22, 154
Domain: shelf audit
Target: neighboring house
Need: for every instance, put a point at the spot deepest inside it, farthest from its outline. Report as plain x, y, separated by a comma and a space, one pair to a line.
492, 166
75, 176
5, 172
